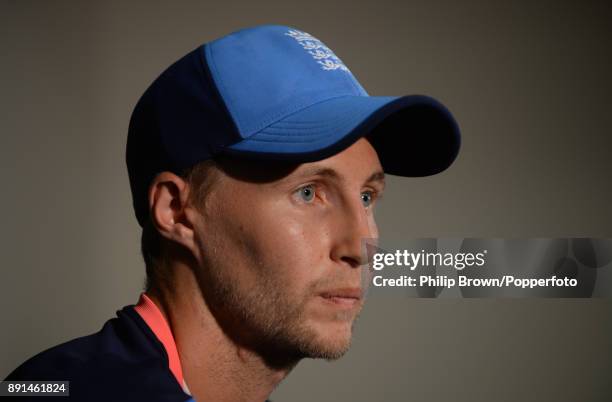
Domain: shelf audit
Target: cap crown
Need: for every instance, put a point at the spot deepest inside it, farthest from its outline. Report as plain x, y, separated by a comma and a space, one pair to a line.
268, 72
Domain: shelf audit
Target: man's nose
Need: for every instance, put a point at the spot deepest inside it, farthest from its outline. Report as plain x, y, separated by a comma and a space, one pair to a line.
353, 226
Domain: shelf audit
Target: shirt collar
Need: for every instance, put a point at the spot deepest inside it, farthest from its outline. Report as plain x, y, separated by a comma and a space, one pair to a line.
152, 315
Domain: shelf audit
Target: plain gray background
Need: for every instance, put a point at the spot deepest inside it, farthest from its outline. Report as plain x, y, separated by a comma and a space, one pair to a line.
529, 83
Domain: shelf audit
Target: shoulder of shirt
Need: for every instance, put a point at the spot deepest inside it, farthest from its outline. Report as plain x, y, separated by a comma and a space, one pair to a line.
124, 361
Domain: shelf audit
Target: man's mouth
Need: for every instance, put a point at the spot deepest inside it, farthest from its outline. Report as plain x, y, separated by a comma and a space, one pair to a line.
343, 297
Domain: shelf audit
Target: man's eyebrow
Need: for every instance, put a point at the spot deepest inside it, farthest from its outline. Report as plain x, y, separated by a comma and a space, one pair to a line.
320, 171
378, 176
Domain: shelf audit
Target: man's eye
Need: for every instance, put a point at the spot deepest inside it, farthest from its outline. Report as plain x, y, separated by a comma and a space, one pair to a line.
367, 197
306, 193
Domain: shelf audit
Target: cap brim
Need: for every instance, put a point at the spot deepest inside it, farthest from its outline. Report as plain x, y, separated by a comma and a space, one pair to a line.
413, 135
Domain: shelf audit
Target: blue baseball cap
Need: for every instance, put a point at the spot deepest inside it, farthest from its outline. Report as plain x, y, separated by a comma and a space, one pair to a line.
276, 93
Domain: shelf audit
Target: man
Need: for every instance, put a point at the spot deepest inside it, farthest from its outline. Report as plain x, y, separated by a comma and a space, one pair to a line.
255, 162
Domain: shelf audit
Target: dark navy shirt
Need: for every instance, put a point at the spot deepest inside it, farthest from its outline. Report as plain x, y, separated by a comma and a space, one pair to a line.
124, 361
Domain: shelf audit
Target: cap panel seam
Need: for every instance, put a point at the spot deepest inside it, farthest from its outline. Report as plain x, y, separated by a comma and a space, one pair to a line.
227, 115
351, 78
218, 81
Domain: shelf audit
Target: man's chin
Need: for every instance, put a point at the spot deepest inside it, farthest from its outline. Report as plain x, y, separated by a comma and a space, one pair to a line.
331, 353
328, 342
307, 342
325, 351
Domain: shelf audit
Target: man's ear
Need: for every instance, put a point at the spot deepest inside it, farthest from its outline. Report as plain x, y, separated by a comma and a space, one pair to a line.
168, 201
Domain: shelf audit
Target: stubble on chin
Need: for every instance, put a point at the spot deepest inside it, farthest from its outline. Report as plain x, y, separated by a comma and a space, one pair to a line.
273, 322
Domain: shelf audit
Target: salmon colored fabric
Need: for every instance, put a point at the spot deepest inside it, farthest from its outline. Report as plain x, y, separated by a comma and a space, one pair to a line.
154, 318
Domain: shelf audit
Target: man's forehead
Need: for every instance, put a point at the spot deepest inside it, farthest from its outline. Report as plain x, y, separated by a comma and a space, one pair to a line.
359, 161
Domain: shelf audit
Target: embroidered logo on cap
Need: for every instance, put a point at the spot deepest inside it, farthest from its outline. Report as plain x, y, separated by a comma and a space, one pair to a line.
321, 53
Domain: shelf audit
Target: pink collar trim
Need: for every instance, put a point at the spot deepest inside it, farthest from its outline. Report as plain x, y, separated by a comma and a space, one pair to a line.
154, 318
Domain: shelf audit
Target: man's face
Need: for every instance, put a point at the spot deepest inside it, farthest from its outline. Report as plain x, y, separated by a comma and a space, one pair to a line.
282, 259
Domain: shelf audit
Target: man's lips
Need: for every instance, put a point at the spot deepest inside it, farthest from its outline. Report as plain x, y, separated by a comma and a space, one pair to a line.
343, 296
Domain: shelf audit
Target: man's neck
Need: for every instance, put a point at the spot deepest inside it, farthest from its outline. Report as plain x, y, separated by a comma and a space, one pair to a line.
214, 367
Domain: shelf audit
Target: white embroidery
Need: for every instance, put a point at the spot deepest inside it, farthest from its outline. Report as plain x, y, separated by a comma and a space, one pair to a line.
321, 53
